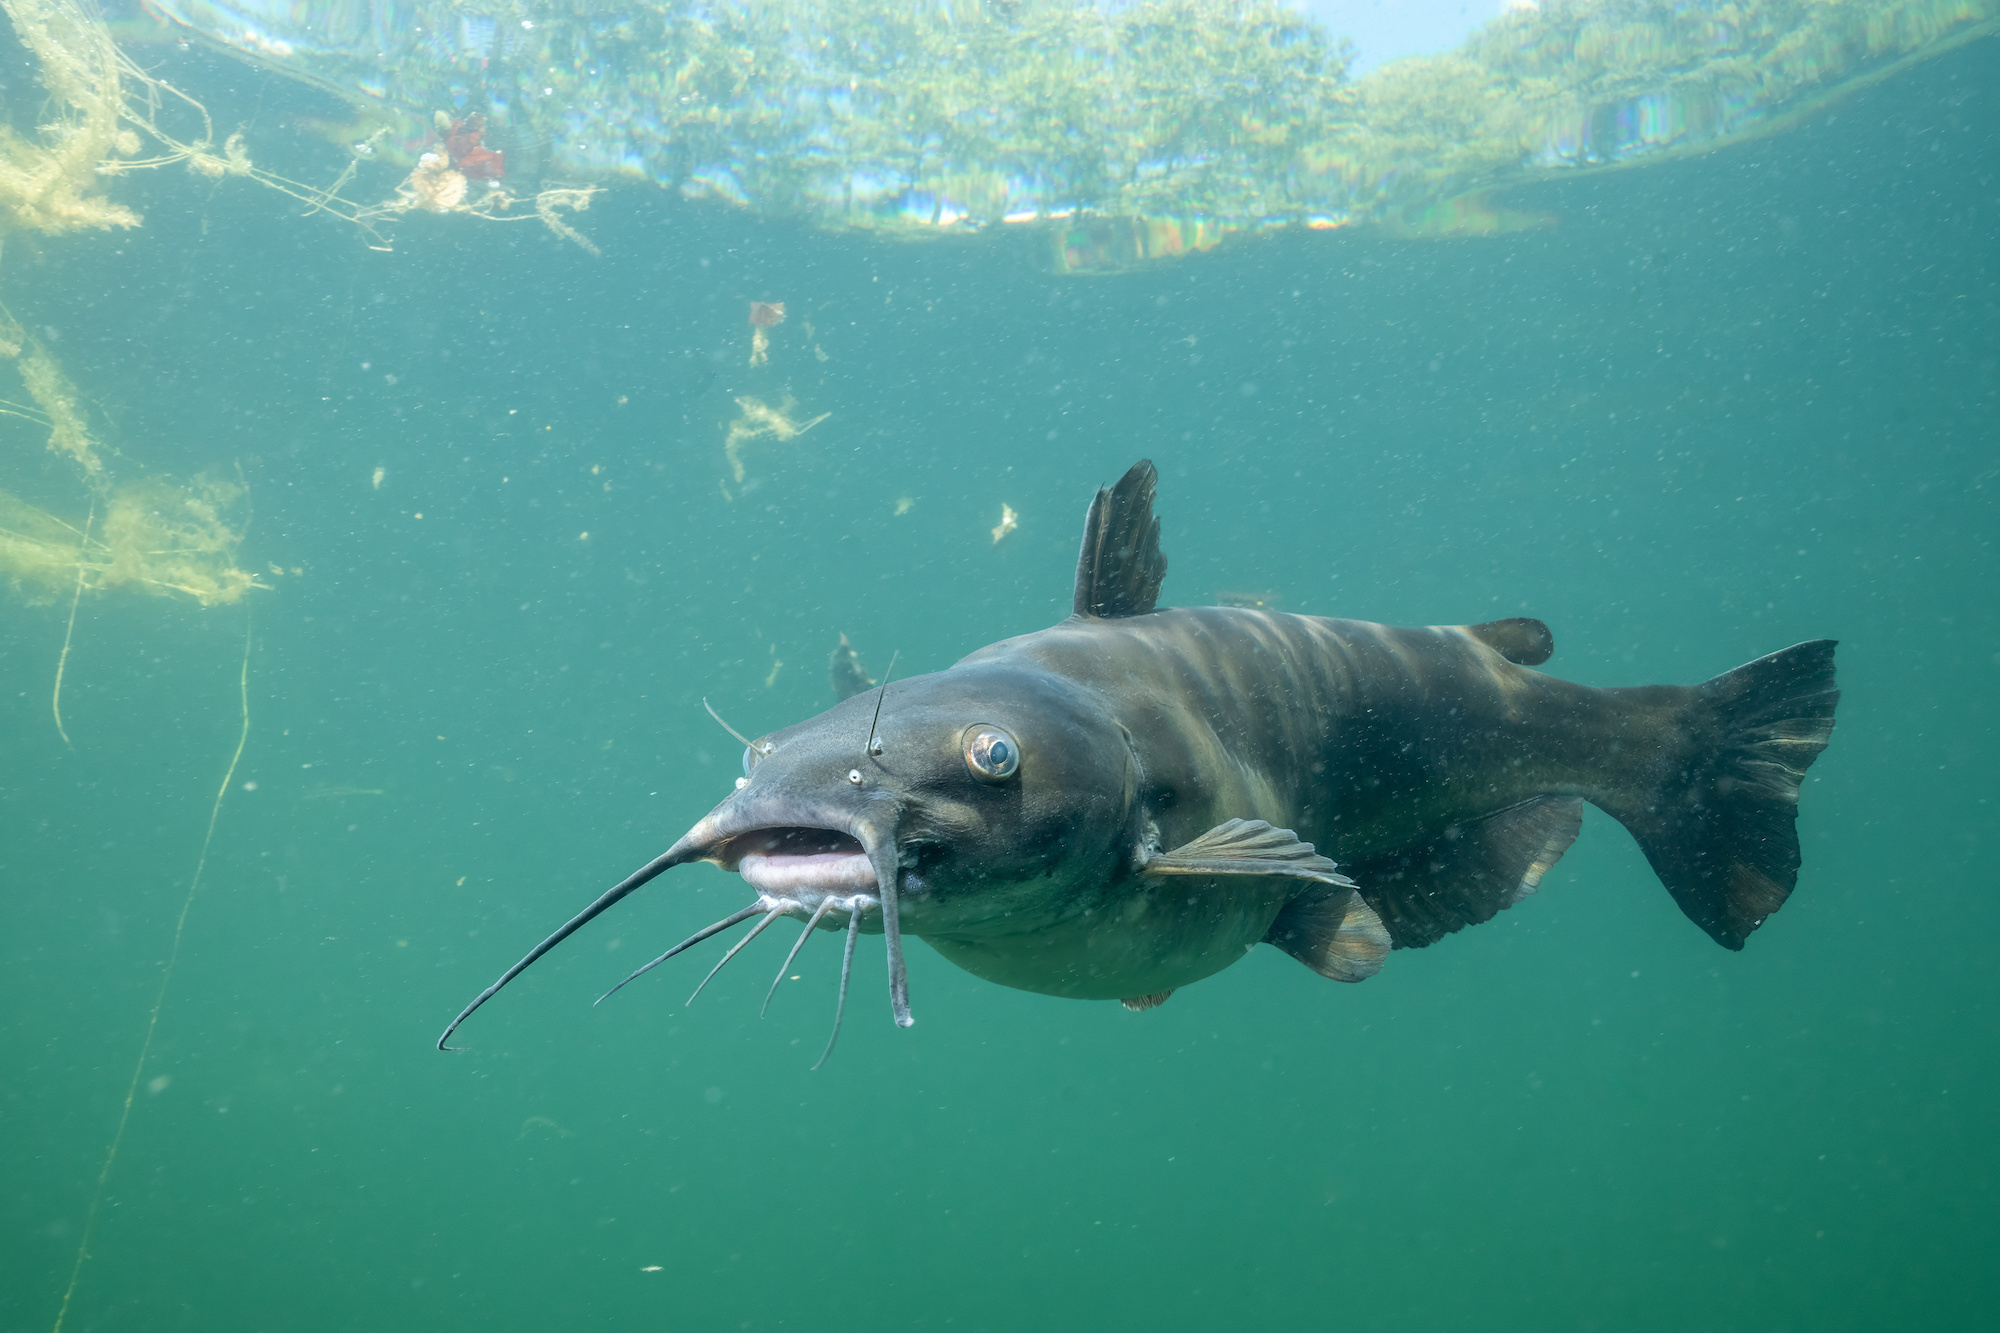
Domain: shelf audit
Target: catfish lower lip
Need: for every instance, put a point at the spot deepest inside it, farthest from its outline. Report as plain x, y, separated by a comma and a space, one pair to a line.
841, 872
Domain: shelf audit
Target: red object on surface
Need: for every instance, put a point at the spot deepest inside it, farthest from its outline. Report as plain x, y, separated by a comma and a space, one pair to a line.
462, 145
482, 164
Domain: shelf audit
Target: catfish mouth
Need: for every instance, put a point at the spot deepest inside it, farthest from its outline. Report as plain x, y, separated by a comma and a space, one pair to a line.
795, 861
797, 870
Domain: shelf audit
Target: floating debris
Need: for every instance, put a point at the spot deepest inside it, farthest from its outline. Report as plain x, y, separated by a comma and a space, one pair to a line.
764, 316
545, 1124
1009, 520
758, 420
1251, 601
341, 793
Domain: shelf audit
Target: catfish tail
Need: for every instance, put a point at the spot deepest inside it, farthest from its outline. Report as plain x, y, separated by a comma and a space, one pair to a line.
1720, 831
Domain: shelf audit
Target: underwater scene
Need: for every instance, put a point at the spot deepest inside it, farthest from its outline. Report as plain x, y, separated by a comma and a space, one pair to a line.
382, 582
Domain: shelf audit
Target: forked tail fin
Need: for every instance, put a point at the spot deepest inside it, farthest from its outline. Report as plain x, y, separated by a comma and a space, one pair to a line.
1720, 831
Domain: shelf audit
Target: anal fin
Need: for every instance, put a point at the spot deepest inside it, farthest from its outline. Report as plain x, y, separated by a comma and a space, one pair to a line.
1140, 1003
1247, 847
1475, 870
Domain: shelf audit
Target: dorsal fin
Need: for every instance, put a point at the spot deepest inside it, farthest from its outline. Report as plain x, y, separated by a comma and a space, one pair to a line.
1118, 572
1523, 640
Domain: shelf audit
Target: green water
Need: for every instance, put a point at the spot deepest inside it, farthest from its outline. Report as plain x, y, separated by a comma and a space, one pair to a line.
1724, 405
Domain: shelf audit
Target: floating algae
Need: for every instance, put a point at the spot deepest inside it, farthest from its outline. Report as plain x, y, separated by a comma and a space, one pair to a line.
756, 420
152, 535
104, 117
166, 537
100, 114
156, 536
48, 183
56, 397
38, 551
149, 535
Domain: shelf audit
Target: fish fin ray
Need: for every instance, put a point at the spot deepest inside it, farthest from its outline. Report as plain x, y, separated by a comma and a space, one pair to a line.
1334, 932
1119, 570
1472, 872
1522, 640
1721, 831
1247, 847
1140, 1003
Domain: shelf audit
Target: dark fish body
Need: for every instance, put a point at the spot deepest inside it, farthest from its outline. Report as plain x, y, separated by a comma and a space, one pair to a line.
1368, 741
1129, 801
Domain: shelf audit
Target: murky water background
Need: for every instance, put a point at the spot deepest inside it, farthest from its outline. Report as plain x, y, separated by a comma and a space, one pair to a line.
1722, 406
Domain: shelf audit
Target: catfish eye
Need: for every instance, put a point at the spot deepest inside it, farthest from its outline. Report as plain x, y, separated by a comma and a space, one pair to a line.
992, 754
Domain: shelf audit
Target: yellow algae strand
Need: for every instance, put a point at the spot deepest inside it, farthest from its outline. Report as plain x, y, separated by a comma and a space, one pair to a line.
758, 420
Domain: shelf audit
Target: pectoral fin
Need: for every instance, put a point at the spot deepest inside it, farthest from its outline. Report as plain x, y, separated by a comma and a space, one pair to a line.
1247, 847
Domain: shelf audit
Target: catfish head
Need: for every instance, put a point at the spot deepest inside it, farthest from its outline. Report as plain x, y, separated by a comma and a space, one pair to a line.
987, 801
